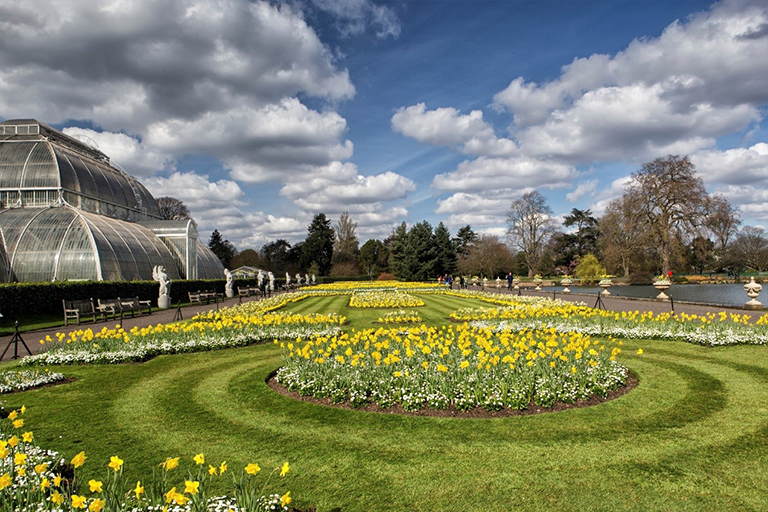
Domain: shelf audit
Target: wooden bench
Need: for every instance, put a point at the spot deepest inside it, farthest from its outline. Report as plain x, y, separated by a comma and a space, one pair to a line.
134, 306
194, 298
243, 292
109, 307
78, 309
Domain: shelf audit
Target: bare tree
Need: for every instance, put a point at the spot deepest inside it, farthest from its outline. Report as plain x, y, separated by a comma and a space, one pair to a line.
345, 244
622, 237
722, 221
488, 257
672, 201
750, 249
530, 225
172, 209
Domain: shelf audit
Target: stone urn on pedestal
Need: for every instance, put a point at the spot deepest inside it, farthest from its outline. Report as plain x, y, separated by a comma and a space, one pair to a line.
516, 283
605, 283
566, 282
537, 282
662, 284
753, 290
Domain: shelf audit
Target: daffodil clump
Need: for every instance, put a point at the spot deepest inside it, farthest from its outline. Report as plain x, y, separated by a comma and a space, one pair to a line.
381, 299
460, 366
351, 286
709, 329
229, 327
19, 380
400, 317
33, 480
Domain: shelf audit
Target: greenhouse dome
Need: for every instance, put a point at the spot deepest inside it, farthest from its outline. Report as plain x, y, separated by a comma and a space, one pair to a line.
67, 213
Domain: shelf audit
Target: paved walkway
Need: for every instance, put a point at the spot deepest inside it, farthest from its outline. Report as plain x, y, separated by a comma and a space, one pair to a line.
614, 303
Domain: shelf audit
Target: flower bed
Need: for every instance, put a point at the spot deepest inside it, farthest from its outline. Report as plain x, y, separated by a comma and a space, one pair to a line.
462, 367
379, 299
33, 479
11, 381
228, 327
400, 317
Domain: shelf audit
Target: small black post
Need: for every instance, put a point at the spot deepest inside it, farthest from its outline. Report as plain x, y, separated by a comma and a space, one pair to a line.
554, 295
519, 292
599, 302
672, 304
178, 316
15, 342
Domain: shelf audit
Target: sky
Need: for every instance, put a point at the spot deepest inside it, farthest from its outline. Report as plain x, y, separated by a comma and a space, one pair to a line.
259, 115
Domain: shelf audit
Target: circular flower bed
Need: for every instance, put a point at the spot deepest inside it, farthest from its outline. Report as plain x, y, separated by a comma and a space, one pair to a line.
458, 366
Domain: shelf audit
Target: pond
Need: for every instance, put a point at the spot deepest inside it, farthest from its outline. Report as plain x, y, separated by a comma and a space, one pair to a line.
720, 294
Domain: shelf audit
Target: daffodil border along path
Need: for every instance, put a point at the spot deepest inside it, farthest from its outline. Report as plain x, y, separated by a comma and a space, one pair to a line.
692, 436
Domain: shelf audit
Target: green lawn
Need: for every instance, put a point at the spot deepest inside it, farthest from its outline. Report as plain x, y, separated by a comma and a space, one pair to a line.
692, 436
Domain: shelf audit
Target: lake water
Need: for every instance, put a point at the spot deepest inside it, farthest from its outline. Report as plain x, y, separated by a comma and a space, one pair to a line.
721, 294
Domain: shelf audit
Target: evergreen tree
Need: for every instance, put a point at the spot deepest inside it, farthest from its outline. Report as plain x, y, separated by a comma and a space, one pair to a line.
445, 254
223, 249
318, 247
397, 251
420, 253
464, 240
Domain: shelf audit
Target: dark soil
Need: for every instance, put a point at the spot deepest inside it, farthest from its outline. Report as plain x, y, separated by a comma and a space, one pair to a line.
452, 412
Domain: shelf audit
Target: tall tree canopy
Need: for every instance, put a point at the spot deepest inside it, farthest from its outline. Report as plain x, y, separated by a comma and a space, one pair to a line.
445, 254
672, 202
318, 246
345, 245
530, 225
463, 240
223, 249
373, 257
172, 209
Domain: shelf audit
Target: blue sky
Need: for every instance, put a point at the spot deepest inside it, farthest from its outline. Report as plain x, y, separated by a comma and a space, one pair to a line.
261, 115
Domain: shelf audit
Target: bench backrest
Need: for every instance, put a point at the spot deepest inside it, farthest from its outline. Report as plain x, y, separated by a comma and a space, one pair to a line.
111, 303
83, 306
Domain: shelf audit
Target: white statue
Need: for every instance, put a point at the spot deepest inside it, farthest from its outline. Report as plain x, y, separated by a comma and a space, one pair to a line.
306, 279
313, 280
298, 279
287, 279
260, 278
230, 282
271, 277
159, 275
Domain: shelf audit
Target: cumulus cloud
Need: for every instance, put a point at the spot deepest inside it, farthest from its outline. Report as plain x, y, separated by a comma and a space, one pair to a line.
136, 157
505, 173
585, 188
468, 133
737, 166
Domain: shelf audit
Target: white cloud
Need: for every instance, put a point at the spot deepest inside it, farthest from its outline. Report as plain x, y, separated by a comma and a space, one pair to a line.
585, 188
196, 191
136, 157
739, 166
504, 173
468, 133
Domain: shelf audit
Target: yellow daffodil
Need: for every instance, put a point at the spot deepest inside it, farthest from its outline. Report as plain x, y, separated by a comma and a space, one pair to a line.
27, 437
191, 487
45, 484
222, 467
18, 423
639, 351
284, 470
57, 498
78, 501
78, 460
211, 470
199, 459
170, 463
40, 468
286, 499
115, 463
57, 480
5, 481
138, 490
13, 415
95, 485
252, 469
19, 459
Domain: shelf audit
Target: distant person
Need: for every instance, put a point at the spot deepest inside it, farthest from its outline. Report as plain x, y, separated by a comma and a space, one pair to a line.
461, 282
449, 281
510, 278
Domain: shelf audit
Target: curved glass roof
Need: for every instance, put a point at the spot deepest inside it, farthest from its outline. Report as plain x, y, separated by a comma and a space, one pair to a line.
81, 245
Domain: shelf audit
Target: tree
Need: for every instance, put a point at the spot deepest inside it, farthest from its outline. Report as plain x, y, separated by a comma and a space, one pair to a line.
622, 237
488, 257
723, 221
398, 241
420, 253
247, 258
345, 245
275, 256
172, 209
530, 226
749, 250
318, 246
223, 249
589, 269
445, 254
463, 240
700, 254
672, 202
373, 258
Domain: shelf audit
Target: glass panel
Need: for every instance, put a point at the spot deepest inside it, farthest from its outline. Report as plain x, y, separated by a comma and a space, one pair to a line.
39, 244
208, 265
41, 169
67, 175
77, 259
12, 158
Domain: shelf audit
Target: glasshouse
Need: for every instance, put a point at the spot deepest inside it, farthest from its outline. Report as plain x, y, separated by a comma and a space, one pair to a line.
68, 213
